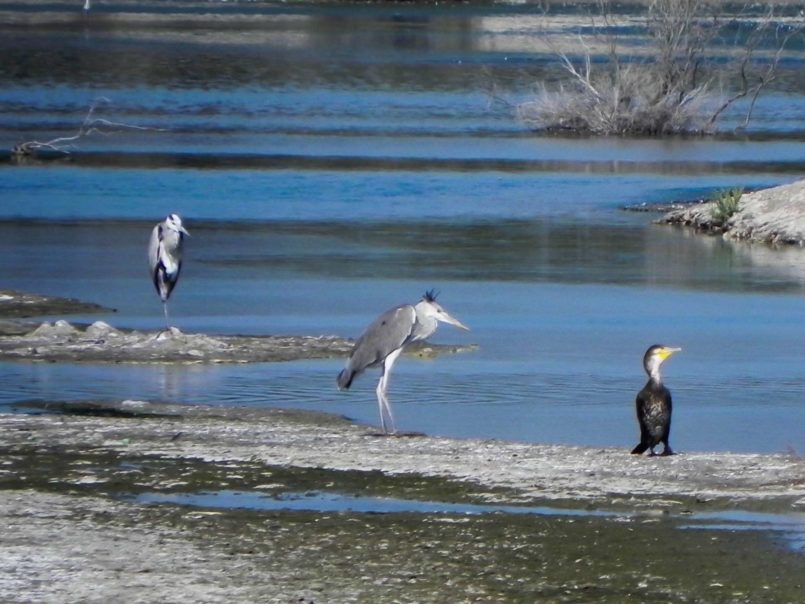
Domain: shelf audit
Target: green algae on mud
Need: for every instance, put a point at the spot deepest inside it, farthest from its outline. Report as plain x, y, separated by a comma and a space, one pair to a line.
102, 472
289, 556
499, 557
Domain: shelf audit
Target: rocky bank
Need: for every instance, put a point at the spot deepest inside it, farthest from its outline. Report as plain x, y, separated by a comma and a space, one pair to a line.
775, 216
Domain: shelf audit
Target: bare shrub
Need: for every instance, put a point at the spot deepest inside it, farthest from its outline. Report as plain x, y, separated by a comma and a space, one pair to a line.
670, 89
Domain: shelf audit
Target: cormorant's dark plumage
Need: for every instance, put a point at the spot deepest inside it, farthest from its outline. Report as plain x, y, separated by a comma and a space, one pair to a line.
654, 404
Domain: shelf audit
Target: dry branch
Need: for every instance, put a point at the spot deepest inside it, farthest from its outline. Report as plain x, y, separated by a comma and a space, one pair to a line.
90, 126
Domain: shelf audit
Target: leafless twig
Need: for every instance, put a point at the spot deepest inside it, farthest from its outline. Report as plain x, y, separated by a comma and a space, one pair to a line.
749, 89
91, 125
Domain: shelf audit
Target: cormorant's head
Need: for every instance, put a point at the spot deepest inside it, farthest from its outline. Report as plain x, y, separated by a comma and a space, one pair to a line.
655, 356
431, 309
174, 222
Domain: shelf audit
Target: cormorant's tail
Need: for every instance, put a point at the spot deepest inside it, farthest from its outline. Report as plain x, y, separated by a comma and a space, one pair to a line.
641, 448
345, 378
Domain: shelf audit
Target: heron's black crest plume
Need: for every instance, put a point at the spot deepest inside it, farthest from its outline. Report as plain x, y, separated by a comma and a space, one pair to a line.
430, 295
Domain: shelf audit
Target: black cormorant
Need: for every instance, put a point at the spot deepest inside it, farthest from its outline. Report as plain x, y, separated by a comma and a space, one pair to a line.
654, 403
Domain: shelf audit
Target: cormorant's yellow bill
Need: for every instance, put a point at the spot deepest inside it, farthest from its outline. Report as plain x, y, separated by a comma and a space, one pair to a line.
668, 351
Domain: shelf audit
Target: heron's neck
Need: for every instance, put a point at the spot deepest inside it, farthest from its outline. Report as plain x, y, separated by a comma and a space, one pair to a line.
172, 239
425, 325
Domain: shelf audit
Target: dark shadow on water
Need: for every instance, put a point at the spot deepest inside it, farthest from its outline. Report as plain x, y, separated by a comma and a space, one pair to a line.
237, 161
540, 250
520, 251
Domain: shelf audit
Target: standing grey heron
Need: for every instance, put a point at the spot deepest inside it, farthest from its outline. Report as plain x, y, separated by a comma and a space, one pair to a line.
165, 257
384, 340
653, 404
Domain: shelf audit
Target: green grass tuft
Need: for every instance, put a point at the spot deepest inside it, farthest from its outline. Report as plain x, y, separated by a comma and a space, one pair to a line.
727, 203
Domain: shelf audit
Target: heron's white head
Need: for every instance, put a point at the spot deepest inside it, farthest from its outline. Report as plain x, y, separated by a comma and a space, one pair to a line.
655, 356
433, 310
174, 223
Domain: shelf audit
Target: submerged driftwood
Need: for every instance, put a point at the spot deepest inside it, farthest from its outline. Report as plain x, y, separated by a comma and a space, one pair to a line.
775, 215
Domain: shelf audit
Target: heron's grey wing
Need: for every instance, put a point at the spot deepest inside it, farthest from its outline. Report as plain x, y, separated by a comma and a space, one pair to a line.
386, 334
172, 244
153, 248
165, 267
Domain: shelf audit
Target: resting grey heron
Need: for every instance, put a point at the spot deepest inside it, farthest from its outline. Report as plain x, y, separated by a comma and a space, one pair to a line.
384, 340
165, 257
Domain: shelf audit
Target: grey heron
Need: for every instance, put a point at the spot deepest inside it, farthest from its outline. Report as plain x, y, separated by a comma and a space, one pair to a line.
165, 257
383, 341
654, 403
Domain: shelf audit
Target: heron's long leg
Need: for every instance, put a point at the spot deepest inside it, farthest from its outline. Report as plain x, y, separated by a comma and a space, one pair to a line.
382, 402
389, 414
382, 386
165, 310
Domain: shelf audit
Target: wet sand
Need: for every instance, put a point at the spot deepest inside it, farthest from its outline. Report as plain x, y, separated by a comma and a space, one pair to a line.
76, 532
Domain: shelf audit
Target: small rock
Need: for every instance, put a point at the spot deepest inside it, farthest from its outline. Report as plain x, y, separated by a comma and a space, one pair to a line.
59, 328
101, 328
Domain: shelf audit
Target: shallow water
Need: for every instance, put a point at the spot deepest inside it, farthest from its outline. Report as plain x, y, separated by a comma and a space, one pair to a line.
327, 173
790, 526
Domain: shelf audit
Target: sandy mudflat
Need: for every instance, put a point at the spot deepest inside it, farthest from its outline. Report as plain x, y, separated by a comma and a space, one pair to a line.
613, 527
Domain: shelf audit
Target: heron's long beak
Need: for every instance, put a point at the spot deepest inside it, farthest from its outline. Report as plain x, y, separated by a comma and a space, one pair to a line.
447, 318
184, 230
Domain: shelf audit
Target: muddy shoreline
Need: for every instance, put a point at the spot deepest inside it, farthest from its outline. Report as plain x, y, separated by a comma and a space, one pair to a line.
72, 474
